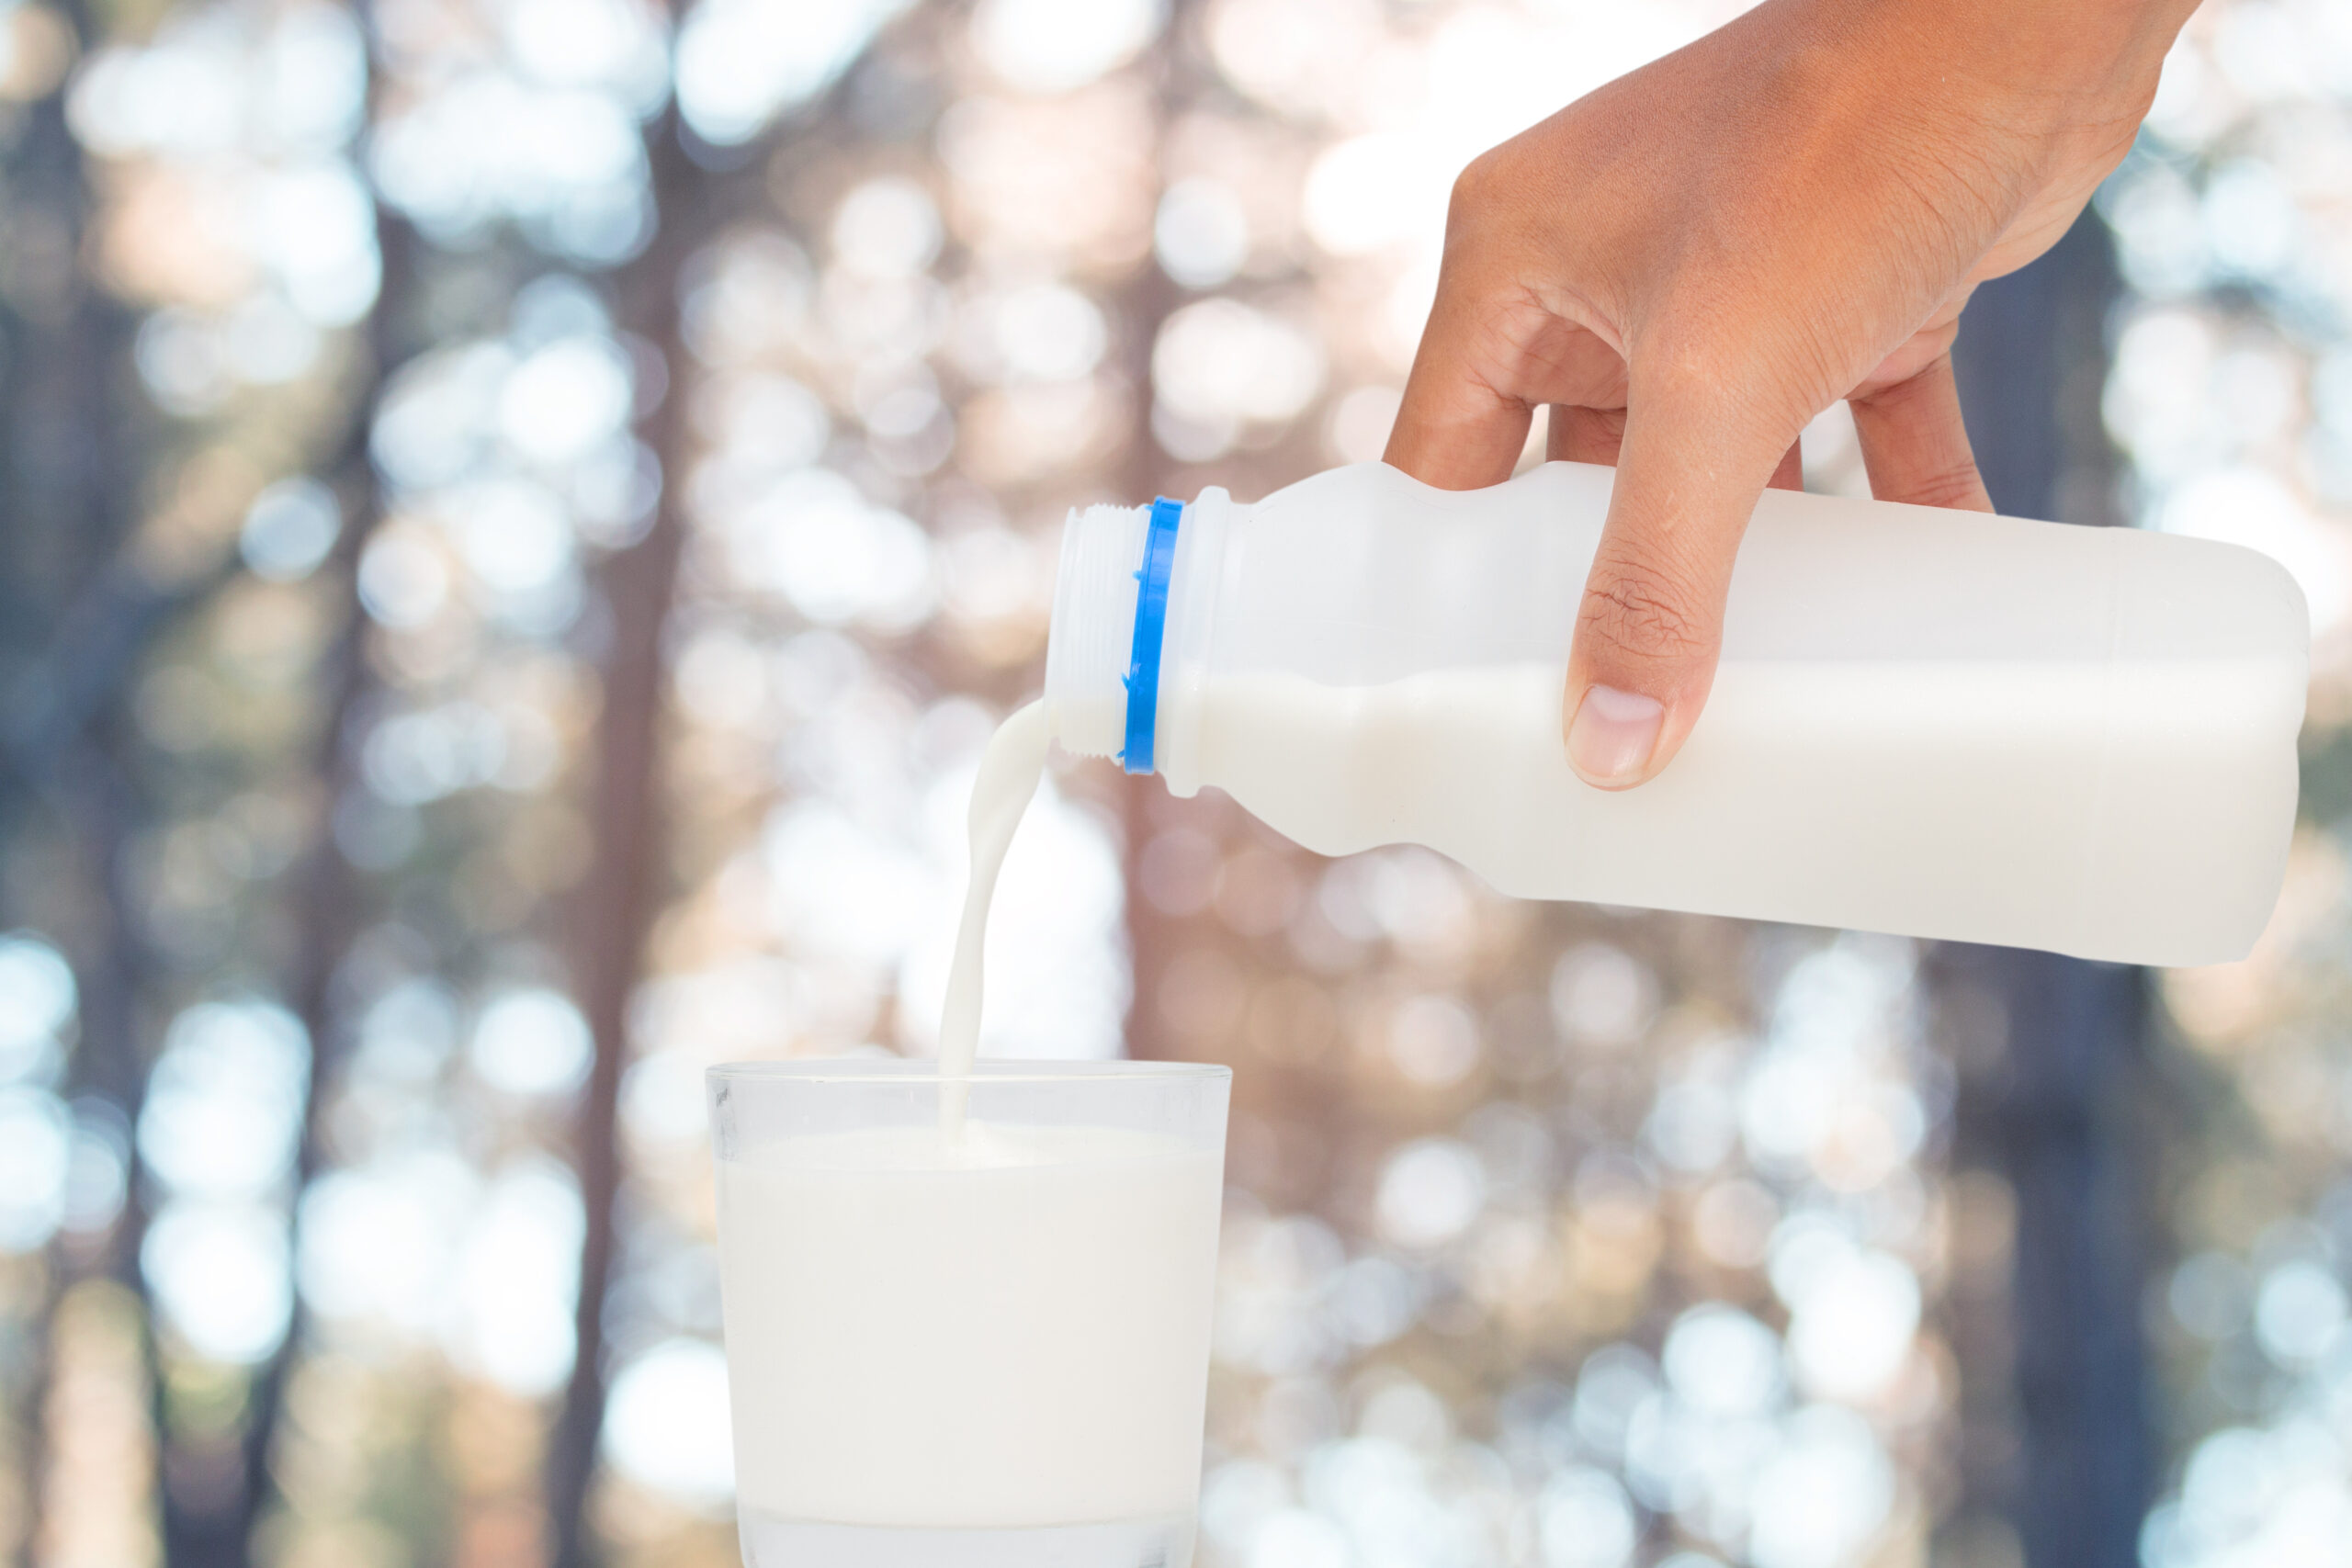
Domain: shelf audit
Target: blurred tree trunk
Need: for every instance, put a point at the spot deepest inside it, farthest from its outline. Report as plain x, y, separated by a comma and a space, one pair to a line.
66, 508
113, 970
623, 889
326, 890
1149, 297
216, 1521
2054, 1113
1143, 306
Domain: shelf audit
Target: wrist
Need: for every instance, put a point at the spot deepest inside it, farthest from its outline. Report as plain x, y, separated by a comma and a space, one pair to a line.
2058, 62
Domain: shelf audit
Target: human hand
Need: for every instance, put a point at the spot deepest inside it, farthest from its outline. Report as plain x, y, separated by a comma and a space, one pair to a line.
1691, 261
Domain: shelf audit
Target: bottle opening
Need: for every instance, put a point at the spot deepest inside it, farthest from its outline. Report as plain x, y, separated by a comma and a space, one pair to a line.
1092, 643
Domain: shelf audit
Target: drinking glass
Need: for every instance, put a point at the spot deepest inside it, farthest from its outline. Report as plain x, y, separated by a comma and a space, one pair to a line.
967, 1318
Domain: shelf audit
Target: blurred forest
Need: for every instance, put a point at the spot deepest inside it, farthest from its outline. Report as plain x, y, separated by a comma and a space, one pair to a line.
516, 517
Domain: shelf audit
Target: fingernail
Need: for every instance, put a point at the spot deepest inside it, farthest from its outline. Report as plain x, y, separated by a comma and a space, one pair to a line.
1613, 735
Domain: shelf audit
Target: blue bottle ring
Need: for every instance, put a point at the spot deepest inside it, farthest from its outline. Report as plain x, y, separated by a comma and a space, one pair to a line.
1151, 627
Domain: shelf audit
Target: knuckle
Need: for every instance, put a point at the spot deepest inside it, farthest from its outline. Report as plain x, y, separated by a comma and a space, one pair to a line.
1478, 189
1755, 372
1645, 610
1501, 185
1955, 485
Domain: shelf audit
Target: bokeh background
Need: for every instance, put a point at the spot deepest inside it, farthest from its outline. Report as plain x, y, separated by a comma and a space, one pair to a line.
516, 517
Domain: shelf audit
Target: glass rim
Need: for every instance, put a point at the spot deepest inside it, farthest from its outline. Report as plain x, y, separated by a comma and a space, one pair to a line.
925, 1070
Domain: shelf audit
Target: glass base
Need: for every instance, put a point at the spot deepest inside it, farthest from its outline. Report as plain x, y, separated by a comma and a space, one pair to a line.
770, 1542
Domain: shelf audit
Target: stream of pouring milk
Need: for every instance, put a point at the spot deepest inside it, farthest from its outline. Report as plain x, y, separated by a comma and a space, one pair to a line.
977, 1344
1010, 771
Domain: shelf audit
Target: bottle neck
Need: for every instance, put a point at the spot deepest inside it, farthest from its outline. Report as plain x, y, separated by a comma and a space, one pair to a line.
1129, 613
1150, 640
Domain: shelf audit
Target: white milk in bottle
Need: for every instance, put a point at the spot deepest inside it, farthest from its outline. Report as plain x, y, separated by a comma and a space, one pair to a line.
1931, 723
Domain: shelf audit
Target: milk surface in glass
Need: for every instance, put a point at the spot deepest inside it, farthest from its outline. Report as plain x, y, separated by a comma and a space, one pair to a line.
961, 1347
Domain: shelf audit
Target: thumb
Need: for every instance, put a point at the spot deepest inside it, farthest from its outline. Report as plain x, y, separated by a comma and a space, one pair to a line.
1651, 623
